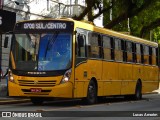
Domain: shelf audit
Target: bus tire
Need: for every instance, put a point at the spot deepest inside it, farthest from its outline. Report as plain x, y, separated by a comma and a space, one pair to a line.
138, 91
92, 93
37, 100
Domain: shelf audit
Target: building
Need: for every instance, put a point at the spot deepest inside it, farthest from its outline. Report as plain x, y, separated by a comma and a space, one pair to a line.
37, 9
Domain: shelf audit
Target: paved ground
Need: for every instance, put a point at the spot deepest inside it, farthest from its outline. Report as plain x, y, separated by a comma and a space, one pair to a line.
4, 99
3, 87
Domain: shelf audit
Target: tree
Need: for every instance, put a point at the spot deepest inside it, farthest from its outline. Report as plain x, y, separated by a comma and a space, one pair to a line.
92, 5
152, 19
130, 9
144, 15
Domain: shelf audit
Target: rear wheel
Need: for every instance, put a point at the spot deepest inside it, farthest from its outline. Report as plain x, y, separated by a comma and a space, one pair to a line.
37, 100
92, 93
138, 91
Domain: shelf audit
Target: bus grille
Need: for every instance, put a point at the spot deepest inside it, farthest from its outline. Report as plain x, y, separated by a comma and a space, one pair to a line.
37, 83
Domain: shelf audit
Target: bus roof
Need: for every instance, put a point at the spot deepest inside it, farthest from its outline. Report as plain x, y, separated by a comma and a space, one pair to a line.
109, 32
91, 27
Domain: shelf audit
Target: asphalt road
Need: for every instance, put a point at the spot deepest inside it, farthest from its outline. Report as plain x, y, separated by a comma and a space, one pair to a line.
112, 109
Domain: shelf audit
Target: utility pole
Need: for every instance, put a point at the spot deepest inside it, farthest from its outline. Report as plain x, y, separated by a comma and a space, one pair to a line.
110, 10
128, 26
151, 33
75, 10
70, 7
48, 5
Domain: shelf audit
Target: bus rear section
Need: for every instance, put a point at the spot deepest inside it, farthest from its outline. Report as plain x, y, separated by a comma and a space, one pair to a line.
113, 64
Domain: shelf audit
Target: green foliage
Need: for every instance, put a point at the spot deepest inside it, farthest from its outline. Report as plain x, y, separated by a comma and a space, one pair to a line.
138, 21
138, 2
119, 8
116, 10
146, 17
156, 34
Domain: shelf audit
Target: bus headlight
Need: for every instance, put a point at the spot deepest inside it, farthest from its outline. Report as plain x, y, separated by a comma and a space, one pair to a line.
10, 77
66, 76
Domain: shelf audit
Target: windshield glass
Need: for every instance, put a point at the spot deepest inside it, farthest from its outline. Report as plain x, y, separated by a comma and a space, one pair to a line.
42, 52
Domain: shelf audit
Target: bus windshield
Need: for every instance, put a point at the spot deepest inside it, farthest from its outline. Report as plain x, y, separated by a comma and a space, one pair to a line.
42, 52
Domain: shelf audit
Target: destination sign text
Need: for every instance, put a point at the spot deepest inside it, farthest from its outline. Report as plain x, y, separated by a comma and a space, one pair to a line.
45, 25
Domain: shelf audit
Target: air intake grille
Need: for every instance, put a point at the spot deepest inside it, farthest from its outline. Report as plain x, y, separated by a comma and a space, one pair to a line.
37, 83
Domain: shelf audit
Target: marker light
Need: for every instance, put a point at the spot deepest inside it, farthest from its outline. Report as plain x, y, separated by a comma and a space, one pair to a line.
10, 77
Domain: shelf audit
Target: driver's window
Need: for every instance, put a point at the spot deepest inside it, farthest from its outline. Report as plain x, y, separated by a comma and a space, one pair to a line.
80, 45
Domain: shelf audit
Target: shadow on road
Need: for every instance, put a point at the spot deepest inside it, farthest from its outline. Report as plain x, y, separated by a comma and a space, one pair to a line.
79, 102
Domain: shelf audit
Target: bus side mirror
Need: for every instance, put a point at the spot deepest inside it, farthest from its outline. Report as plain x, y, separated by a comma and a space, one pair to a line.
6, 42
80, 40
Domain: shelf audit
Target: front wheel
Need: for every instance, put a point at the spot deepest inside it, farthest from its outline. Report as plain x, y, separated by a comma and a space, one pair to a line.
92, 93
37, 100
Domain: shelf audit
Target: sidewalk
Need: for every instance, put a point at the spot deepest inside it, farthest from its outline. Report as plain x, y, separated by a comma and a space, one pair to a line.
5, 99
12, 100
3, 87
157, 91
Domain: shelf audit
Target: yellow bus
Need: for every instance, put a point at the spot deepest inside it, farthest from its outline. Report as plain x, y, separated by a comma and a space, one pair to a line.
65, 58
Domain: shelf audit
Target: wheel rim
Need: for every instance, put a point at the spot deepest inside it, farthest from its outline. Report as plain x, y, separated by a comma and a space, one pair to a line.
138, 92
92, 93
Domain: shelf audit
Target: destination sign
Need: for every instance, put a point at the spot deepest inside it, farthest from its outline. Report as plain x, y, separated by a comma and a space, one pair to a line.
44, 25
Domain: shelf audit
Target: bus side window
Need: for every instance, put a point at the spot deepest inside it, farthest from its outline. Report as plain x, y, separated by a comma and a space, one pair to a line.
138, 53
150, 56
146, 54
100, 44
80, 45
123, 47
129, 51
118, 50
157, 62
142, 54
134, 52
112, 49
94, 45
153, 56
106, 48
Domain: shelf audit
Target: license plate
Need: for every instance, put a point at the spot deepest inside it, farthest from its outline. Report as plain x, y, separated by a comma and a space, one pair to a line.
36, 90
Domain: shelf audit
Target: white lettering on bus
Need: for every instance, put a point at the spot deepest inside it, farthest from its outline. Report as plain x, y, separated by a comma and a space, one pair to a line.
51, 26
45, 26
29, 26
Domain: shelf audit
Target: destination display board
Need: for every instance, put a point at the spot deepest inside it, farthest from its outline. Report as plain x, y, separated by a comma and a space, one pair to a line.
46, 25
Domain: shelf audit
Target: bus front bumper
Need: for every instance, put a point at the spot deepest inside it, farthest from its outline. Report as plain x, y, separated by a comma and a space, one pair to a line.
64, 90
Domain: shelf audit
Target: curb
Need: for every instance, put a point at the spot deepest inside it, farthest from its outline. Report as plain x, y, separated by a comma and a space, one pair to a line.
13, 101
3, 90
3, 87
157, 91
